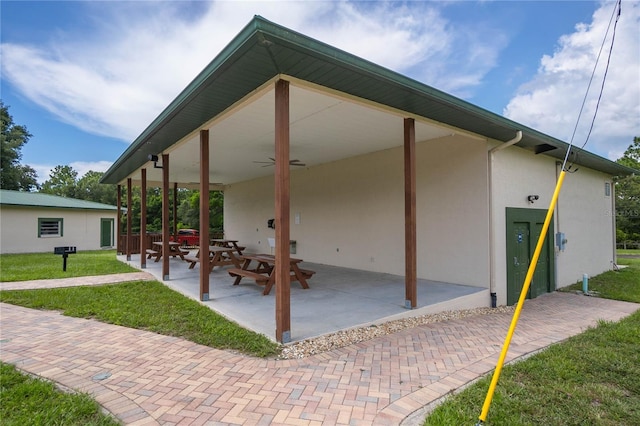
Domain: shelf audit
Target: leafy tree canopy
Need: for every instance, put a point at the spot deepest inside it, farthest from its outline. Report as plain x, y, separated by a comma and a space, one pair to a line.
62, 182
13, 175
627, 192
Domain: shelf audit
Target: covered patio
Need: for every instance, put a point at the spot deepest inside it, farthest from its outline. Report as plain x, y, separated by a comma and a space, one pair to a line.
363, 168
338, 298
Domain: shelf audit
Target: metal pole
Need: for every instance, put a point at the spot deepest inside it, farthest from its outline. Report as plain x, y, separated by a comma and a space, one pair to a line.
523, 296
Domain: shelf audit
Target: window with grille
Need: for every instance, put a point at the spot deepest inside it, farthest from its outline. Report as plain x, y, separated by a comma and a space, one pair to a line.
49, 228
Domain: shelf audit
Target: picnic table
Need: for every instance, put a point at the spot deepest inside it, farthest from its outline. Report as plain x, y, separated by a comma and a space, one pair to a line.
217, 256
174, 250
221, 242
264, 272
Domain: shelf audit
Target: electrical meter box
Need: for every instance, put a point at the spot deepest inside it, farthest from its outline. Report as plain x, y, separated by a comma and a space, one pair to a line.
561, 241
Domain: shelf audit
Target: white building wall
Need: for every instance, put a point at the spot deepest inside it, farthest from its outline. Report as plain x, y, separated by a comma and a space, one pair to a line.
19, 229
585, 217
351, 212
583, 213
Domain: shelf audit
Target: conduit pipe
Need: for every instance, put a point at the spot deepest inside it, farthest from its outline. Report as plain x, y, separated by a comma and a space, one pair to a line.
492, 254
556, 250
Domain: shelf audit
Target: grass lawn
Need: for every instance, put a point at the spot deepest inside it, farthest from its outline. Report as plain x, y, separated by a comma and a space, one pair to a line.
25, 400
40, 266
629, 251
590, 379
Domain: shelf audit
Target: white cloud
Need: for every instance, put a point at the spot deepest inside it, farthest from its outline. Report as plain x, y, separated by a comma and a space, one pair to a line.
116, 80
551, 101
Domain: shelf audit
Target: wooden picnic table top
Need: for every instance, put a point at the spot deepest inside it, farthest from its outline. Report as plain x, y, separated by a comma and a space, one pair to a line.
264, 273
171, 243
215, 249
267, 258
216, 258
223, 242
174, 250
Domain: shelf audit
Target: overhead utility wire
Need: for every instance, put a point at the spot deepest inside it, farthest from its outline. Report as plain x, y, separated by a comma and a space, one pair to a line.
534, 261
616, 13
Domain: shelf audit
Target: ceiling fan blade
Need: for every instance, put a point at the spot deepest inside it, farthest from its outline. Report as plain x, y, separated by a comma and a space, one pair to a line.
295, 162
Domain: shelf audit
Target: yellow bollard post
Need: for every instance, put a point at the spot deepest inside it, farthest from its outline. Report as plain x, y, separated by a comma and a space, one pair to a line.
523, 295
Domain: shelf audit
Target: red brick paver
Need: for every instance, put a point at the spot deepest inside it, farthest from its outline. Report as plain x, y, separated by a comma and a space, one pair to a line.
147, 379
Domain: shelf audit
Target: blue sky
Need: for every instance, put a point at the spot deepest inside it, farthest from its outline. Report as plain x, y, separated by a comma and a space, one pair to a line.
86, 78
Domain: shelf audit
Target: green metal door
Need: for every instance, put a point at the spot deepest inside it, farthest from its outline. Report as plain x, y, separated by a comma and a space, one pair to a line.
541, 282
106, 232
523, 231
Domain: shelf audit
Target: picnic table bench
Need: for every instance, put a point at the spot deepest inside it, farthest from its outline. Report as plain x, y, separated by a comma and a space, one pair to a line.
174, 250
217, 256
264, 273
221, 242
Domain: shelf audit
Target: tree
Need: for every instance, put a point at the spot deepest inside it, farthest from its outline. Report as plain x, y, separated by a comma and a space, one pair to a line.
89, 188
62, 182
189, 210
13, 175
628, 195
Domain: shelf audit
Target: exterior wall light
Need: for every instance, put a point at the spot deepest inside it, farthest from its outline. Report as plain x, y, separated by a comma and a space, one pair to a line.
154, 158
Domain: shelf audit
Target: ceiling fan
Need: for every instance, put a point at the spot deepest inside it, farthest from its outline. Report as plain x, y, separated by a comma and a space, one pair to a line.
272, 161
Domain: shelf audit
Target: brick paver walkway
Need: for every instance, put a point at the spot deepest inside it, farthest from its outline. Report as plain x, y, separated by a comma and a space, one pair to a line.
147, 379
77, 281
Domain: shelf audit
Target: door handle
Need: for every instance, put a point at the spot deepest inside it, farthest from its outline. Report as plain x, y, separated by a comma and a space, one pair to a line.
515, 261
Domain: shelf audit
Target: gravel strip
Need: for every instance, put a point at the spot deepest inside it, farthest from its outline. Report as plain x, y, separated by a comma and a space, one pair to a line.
343, 338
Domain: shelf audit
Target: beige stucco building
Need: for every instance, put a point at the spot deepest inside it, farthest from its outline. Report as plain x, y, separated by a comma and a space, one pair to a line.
364, 168
34, 223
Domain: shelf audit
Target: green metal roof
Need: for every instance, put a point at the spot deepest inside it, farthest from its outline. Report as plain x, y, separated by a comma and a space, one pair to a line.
36, 199
263, 50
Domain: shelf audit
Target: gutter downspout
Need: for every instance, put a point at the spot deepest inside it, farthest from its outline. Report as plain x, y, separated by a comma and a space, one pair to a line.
614, 225
492, 255
556, 249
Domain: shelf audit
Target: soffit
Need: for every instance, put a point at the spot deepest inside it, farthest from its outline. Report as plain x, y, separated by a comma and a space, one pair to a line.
323, 128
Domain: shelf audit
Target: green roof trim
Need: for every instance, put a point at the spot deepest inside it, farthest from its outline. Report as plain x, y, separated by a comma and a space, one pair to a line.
263, 50
36, 199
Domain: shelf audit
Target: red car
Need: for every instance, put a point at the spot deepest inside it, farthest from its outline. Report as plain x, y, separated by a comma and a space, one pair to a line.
188, 237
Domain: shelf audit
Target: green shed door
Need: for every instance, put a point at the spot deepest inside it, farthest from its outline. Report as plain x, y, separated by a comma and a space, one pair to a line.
106, 232
523, 231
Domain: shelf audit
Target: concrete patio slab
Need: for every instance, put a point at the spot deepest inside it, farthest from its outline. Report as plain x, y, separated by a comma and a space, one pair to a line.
338, 298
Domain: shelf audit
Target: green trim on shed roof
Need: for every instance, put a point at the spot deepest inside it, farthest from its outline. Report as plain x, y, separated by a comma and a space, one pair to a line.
36, 199
264, 50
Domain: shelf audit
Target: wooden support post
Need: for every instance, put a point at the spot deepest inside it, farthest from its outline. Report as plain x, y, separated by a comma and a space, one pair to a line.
129, 215
165, 216
282, 202
143, 218
204, 214
175, 211
411, 292
119, 248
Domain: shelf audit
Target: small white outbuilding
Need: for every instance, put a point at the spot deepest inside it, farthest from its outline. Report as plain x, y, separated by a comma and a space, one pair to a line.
32, 222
